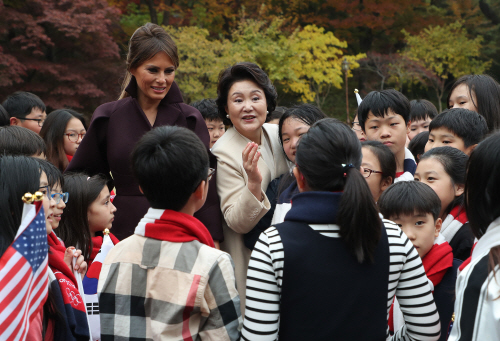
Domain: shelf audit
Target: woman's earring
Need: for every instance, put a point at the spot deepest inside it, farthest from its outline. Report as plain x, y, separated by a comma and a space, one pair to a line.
227, 116
268, 111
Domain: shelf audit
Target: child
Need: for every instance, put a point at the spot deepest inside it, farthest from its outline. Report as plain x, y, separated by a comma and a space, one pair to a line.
444, 169
357, 129
333, 250
275, 116
378, 167
458, 128
16, 140
63, 132
210, 113
478, 285
25, 110
417, 145
170, 263
421, 114
384, 116
479, 93
415, 208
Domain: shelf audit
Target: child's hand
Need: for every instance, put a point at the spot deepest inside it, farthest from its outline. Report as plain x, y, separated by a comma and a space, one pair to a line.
80, 264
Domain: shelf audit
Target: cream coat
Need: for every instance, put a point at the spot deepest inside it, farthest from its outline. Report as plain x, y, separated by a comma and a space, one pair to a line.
240, 208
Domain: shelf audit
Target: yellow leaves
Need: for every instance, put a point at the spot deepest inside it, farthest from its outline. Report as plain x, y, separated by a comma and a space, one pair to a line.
307, 62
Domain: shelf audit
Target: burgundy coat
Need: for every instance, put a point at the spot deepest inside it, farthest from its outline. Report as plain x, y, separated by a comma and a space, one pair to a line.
114, 130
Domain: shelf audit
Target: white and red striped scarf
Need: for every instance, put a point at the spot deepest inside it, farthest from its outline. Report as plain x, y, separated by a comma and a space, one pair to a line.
173, 226
410, 166
453, 222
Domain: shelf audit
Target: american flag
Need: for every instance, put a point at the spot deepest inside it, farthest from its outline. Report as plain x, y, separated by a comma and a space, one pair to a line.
24, 275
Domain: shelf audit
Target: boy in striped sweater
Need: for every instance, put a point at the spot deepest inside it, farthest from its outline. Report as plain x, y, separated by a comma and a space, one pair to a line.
415, 208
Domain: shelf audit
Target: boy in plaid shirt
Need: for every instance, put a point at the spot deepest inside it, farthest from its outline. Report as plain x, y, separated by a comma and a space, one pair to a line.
167, 281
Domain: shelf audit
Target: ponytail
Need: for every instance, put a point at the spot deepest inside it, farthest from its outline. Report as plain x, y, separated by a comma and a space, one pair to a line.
360, 224
329, 155
126, 80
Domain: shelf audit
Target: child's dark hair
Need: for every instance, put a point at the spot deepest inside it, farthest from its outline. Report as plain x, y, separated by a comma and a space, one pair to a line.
208, 109
20, 104
482, 190
467, 125
385, 158
169, 164
407, 198
417, 144
276, 114
239, 72
487, 91
15, 140
54, 175
74, 227
18, 175
53, 131
4, 117
325, 153
378, 102
454, 163
421, 109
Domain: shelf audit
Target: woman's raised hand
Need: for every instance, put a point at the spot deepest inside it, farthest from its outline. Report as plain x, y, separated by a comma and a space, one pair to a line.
250, 163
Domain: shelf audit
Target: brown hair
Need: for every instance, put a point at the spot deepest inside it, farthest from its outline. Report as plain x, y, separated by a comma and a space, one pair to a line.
144, 44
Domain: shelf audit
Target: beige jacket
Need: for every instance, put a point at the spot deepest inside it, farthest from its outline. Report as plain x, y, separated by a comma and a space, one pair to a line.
241, 209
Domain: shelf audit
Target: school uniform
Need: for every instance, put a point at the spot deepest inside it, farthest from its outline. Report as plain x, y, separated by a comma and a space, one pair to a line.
477, 305
409, 168
304, 284
115, 129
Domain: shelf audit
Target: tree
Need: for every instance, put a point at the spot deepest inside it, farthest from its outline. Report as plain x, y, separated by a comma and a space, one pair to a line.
61, 50
446, 51
318, 63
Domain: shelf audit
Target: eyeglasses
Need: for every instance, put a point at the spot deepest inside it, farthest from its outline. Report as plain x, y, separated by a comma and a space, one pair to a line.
211, 172
73, 137
39, 120
367, 172
358, 127
48, 190
60, 196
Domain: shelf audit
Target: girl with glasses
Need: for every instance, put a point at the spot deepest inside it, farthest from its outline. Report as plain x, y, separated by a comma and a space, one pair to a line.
378, 167
63, 131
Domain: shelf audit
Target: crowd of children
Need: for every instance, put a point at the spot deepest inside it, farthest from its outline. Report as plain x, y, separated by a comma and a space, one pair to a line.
236, 219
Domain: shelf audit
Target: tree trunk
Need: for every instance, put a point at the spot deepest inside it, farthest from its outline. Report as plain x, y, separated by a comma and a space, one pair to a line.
152, 11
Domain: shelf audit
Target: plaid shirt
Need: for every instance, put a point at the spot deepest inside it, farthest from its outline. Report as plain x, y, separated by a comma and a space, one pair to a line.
157, 290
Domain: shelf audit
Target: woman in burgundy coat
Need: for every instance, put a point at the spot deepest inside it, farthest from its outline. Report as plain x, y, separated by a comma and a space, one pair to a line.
150, 99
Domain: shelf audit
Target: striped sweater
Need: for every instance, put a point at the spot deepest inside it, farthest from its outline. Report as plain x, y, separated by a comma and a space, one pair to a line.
407, 281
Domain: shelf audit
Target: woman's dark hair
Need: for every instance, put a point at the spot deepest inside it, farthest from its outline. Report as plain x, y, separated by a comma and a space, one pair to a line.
74, 227
482, 190
454, 162
487, 91
54, 175
52, 133
15, 140
421, 109
329, 157
145, 43
385, 158
417, 145
239, 72
18, 175
407, 198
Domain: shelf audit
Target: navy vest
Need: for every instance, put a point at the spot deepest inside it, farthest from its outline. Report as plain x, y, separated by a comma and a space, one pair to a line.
326, 293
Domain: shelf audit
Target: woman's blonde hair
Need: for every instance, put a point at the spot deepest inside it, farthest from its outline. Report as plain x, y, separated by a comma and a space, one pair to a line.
144, 44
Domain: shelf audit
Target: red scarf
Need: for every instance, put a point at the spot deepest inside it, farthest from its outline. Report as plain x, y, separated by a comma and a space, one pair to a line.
173, 226
96, 247
436, 262
65, 277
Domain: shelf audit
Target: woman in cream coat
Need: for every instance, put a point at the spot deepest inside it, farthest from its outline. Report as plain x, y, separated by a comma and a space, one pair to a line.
249, 157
